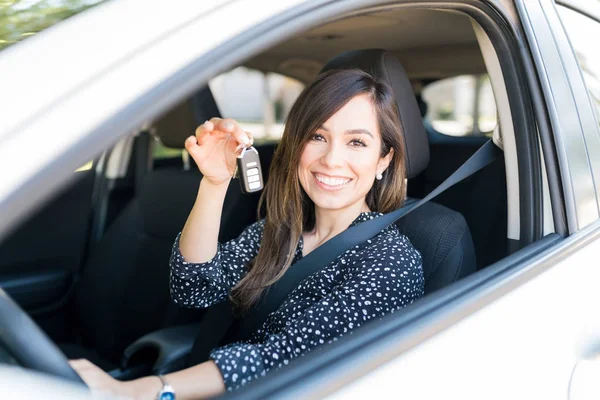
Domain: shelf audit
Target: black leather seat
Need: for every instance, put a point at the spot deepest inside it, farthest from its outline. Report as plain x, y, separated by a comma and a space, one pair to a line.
439, 233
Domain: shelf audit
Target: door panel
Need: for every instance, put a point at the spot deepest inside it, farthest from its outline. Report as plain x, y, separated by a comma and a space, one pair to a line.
523, 345
39, 259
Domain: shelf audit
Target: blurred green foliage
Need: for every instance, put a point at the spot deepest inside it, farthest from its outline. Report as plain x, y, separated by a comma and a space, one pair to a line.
20, 19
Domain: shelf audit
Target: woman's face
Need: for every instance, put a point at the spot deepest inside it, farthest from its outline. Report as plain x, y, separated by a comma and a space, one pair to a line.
339, 163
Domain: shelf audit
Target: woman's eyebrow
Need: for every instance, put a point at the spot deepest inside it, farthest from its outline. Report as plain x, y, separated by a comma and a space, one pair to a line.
358, 132
351, 131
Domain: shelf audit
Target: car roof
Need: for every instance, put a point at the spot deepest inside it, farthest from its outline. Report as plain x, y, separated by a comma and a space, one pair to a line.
46, 66
64, 87
448, 50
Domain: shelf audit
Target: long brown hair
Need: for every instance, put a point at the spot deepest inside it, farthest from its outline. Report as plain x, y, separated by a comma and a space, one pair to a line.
289, 210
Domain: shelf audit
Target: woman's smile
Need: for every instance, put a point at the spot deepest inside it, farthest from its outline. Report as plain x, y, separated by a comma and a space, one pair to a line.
329, 182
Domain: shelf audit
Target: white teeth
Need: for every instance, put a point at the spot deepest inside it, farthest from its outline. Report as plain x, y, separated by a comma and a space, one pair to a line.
332, 181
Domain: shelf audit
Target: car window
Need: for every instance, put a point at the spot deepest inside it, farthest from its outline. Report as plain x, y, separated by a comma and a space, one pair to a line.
583, 33
455, 104
20, 19
259, 101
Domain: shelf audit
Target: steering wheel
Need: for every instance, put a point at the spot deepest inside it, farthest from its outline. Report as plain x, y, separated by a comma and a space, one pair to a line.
29, 345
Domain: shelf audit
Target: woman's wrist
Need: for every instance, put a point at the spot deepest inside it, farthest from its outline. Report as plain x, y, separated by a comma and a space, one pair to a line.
146, 388
205, 182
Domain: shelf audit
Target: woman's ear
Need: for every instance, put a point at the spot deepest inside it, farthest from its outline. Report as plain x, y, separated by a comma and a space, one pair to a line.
385, 161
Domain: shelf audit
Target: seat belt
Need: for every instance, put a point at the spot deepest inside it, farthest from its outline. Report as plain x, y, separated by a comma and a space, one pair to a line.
319, 258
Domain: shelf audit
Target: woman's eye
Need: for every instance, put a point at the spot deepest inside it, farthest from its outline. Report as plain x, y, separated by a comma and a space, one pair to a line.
358, 142
318, 137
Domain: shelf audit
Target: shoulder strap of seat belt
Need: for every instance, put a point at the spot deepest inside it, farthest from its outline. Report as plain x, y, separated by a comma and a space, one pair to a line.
353, 236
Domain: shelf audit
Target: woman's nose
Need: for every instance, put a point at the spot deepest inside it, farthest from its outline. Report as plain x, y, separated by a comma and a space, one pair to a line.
333, 157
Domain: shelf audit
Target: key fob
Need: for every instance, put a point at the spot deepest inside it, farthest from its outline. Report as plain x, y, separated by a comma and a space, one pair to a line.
249, 171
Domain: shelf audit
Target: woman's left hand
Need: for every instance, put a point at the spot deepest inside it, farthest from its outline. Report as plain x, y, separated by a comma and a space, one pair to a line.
97, 379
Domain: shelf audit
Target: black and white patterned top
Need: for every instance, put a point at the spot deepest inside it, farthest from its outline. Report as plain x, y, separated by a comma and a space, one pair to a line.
368, 281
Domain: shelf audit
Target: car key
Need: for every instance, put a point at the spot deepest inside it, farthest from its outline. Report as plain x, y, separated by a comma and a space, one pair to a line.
249, 171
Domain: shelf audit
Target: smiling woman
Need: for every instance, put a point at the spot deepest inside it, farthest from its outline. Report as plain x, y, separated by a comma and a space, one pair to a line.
296, 198
340, 163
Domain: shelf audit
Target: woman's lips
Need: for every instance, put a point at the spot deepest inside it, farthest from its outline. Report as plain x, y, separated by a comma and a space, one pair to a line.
331, 183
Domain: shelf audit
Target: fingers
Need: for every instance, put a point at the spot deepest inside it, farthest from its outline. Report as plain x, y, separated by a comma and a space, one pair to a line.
217, 127
203, 132
230, 126
191, 143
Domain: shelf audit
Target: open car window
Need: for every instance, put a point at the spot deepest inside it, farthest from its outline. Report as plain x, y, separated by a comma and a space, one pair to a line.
259, 101
461, 106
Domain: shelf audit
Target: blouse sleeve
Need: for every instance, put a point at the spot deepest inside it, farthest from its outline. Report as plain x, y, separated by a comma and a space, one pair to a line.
379, 286
201, 285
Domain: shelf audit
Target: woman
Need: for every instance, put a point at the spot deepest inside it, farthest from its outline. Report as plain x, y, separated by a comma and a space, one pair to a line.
340, 163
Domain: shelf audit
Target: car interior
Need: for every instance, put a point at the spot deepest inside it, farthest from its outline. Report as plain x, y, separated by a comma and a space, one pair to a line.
92, 265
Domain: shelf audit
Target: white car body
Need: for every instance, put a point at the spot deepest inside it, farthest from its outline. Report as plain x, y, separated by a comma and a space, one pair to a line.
520, 336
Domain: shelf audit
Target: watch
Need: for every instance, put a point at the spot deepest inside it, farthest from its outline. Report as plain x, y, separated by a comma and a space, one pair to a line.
167, 392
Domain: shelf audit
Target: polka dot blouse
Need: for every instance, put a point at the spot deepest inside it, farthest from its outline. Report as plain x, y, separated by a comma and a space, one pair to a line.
366, 282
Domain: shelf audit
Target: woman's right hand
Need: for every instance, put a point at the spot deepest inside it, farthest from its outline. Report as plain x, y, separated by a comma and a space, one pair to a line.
215, 147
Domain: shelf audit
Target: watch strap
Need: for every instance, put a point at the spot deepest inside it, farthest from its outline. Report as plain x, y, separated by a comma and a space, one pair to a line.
167, 392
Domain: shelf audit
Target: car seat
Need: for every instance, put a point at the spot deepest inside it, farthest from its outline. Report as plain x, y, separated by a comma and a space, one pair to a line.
440, 234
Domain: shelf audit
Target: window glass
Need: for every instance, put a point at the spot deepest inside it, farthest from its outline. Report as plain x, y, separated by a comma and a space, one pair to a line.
584, 33
20, 19
259, 102
454, 104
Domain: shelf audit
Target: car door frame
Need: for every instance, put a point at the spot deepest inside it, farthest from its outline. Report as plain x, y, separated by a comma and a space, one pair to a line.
357, 368
576, 145
300, 16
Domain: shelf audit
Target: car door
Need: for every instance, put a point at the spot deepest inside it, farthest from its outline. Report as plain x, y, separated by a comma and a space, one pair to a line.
526, 331
530, 334
41, 251
40, 259
457, 342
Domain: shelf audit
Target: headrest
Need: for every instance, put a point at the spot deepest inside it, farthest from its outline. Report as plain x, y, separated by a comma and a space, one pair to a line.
181, 122
384, 65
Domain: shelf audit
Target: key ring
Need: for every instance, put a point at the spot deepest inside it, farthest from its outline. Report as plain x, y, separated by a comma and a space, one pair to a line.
243, 147
241, 150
